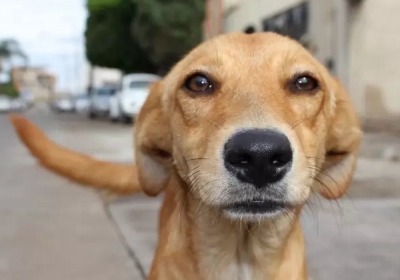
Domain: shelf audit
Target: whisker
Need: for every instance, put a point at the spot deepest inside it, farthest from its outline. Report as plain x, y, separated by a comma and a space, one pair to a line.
191, 159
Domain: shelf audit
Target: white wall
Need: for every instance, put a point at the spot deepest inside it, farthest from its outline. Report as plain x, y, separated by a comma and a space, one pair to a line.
374, 58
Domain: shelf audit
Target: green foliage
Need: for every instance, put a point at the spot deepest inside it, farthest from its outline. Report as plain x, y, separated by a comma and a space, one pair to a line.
109, 42
99, 4
142, 35
8, 89
8, 48
168, 29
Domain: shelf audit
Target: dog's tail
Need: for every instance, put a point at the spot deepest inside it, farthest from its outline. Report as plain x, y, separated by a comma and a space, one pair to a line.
82, 169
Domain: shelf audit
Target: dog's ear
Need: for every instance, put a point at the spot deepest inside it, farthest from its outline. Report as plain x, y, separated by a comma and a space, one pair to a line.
342, 143
153, 143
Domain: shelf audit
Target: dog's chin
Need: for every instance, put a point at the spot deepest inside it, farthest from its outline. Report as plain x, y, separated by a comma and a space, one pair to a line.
255, 210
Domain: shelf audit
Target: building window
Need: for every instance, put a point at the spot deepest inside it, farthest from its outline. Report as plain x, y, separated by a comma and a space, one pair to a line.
249, 30
292, 22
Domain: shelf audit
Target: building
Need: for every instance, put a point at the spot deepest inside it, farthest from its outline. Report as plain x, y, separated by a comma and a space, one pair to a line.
356, 39
36, 82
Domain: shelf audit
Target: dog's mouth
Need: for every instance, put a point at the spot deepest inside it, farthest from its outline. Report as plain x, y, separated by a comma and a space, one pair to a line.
255, 207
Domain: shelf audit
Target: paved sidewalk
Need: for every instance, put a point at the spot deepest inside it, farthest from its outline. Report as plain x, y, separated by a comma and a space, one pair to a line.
57, 231
381, 145
51, 229
137, 218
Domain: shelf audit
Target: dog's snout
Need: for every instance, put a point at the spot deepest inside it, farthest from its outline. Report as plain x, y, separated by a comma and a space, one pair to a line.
258, 156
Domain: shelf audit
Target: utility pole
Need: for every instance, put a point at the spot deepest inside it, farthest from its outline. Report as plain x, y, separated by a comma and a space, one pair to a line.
78, 65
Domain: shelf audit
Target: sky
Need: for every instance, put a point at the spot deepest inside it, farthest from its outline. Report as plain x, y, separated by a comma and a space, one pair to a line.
51, 34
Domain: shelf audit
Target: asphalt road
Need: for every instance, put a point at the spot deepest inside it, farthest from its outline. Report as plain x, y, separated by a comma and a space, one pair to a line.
51, 229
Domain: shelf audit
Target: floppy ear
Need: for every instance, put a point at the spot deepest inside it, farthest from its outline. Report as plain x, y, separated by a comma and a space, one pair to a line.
343, 140
153, 143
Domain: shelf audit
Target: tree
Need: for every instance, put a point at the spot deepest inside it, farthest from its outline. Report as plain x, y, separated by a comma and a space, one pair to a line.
8, 89
109, 40
142, 35
100, 4
8, 49
168, 29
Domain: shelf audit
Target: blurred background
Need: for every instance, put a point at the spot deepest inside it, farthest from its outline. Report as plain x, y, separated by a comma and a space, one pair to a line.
81, 70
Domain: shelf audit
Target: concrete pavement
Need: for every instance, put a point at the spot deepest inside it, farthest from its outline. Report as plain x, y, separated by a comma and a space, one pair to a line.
49, 228
384, 145
54, 230
358, 238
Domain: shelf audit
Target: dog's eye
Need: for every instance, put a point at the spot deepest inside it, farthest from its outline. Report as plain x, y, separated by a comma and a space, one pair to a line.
304, 83
199, 83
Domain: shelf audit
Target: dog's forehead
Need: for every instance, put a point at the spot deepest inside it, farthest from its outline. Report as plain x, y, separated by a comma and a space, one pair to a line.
235, 43
247, 52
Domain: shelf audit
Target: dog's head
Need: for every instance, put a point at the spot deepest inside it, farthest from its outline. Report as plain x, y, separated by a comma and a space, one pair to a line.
252, 124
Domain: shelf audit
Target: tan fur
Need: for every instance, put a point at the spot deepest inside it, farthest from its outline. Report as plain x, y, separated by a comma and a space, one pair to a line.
178, 133
118, 178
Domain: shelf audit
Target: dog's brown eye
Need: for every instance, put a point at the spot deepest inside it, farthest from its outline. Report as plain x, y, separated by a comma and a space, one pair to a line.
304, 83
199, 84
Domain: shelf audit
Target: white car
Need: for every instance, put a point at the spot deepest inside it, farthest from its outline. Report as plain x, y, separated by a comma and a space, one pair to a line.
18, 104
126, 104
81, 103
64, 104
5, 104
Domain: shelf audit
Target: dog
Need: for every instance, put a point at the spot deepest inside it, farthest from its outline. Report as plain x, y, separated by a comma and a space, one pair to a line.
238, 135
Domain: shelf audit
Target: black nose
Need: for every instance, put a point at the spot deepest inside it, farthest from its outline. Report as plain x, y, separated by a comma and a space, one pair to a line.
258, 156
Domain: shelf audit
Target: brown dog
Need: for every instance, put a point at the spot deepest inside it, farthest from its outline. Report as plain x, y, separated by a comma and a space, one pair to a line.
238, 135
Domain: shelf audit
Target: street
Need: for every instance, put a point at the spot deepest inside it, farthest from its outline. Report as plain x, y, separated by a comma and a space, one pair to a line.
53, 229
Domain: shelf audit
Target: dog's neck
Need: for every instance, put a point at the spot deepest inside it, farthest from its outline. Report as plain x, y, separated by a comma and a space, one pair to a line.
244, 250
220, 248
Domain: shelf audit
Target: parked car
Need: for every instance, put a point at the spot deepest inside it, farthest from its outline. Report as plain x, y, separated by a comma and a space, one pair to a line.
5, 104
81, 103
19, 104
99, 101
63, 104
126, 103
